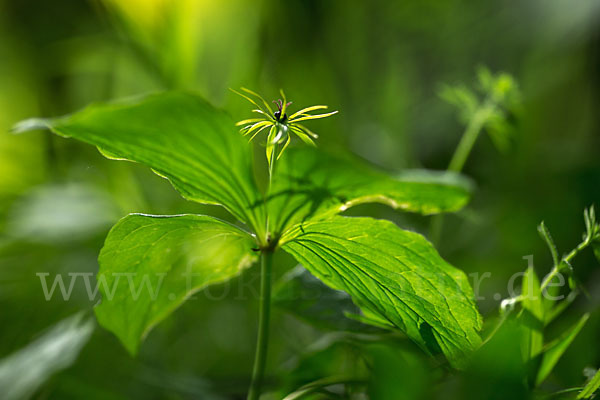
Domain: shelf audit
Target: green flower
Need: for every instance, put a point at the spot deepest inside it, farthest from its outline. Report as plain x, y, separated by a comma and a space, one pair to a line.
278, 123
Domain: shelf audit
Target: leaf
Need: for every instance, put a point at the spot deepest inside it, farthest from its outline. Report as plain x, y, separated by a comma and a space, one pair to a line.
532, 316
592, 386
311, 184
545, 234
596, 246
305, 391
150, 265
463, 98
182, 138
23, 372
556, 349
393, 275
59, 213
301, 294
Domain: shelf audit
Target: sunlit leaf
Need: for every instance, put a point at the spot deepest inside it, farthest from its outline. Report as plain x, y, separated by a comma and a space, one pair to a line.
150, 265
393, 275
310, 183
181, 137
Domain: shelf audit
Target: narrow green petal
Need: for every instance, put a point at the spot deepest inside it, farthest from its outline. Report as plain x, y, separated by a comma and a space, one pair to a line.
256, 126
248, 121
303, 136
317, 116
287, 142
260, 97
257, 132
264, 113
307, 131
248, 98
307, 109
284, 107
270, 145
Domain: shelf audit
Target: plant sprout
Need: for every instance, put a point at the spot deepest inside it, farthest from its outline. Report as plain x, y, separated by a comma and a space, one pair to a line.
279, 123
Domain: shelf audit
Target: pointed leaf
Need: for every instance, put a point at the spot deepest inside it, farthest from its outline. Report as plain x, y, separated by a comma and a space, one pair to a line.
532, 316
545, 234
556, 349
592, 386
181, 137
310, 184
394, 275
150, 265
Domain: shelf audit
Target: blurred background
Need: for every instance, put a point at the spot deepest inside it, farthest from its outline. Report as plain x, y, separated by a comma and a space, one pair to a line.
382, 64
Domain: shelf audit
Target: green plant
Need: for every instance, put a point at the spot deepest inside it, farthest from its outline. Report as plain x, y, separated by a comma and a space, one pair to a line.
395, 276
486, 107
542, 302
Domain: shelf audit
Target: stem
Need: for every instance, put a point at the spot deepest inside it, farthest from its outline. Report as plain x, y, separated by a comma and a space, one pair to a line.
467, 141
266, 262
262, 341
469, 137
565, 260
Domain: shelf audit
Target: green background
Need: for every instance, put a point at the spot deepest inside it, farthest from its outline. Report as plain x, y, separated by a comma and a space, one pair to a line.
381, 64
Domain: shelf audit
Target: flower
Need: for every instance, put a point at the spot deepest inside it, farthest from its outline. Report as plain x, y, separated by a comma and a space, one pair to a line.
279, 123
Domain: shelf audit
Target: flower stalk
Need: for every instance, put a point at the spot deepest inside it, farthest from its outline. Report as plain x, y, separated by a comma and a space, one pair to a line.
280, 126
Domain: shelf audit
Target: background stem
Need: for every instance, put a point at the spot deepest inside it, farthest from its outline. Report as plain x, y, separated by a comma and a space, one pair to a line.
467, 141
263, 325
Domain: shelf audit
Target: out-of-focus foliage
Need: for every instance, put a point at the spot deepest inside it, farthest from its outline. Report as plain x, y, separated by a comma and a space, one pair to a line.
381, 64
23, 372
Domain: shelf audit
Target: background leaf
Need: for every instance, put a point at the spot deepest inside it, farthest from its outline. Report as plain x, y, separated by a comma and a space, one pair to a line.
310, 183
393, 275
181, 137
303, 295
591, 387
152, 264
24, 371
532, 316
556, 349
597, 250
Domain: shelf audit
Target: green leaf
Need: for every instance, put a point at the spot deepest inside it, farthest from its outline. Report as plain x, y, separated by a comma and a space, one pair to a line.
181, 137
59, 213
592, 386
301, 294
395, 276
311, 184
150, 265
545, 234
532, 316
23, 372
556, 349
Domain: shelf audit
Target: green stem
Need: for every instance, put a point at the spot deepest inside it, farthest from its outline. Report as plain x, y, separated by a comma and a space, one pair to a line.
262, 341
467, 141
565, 260
469, 137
